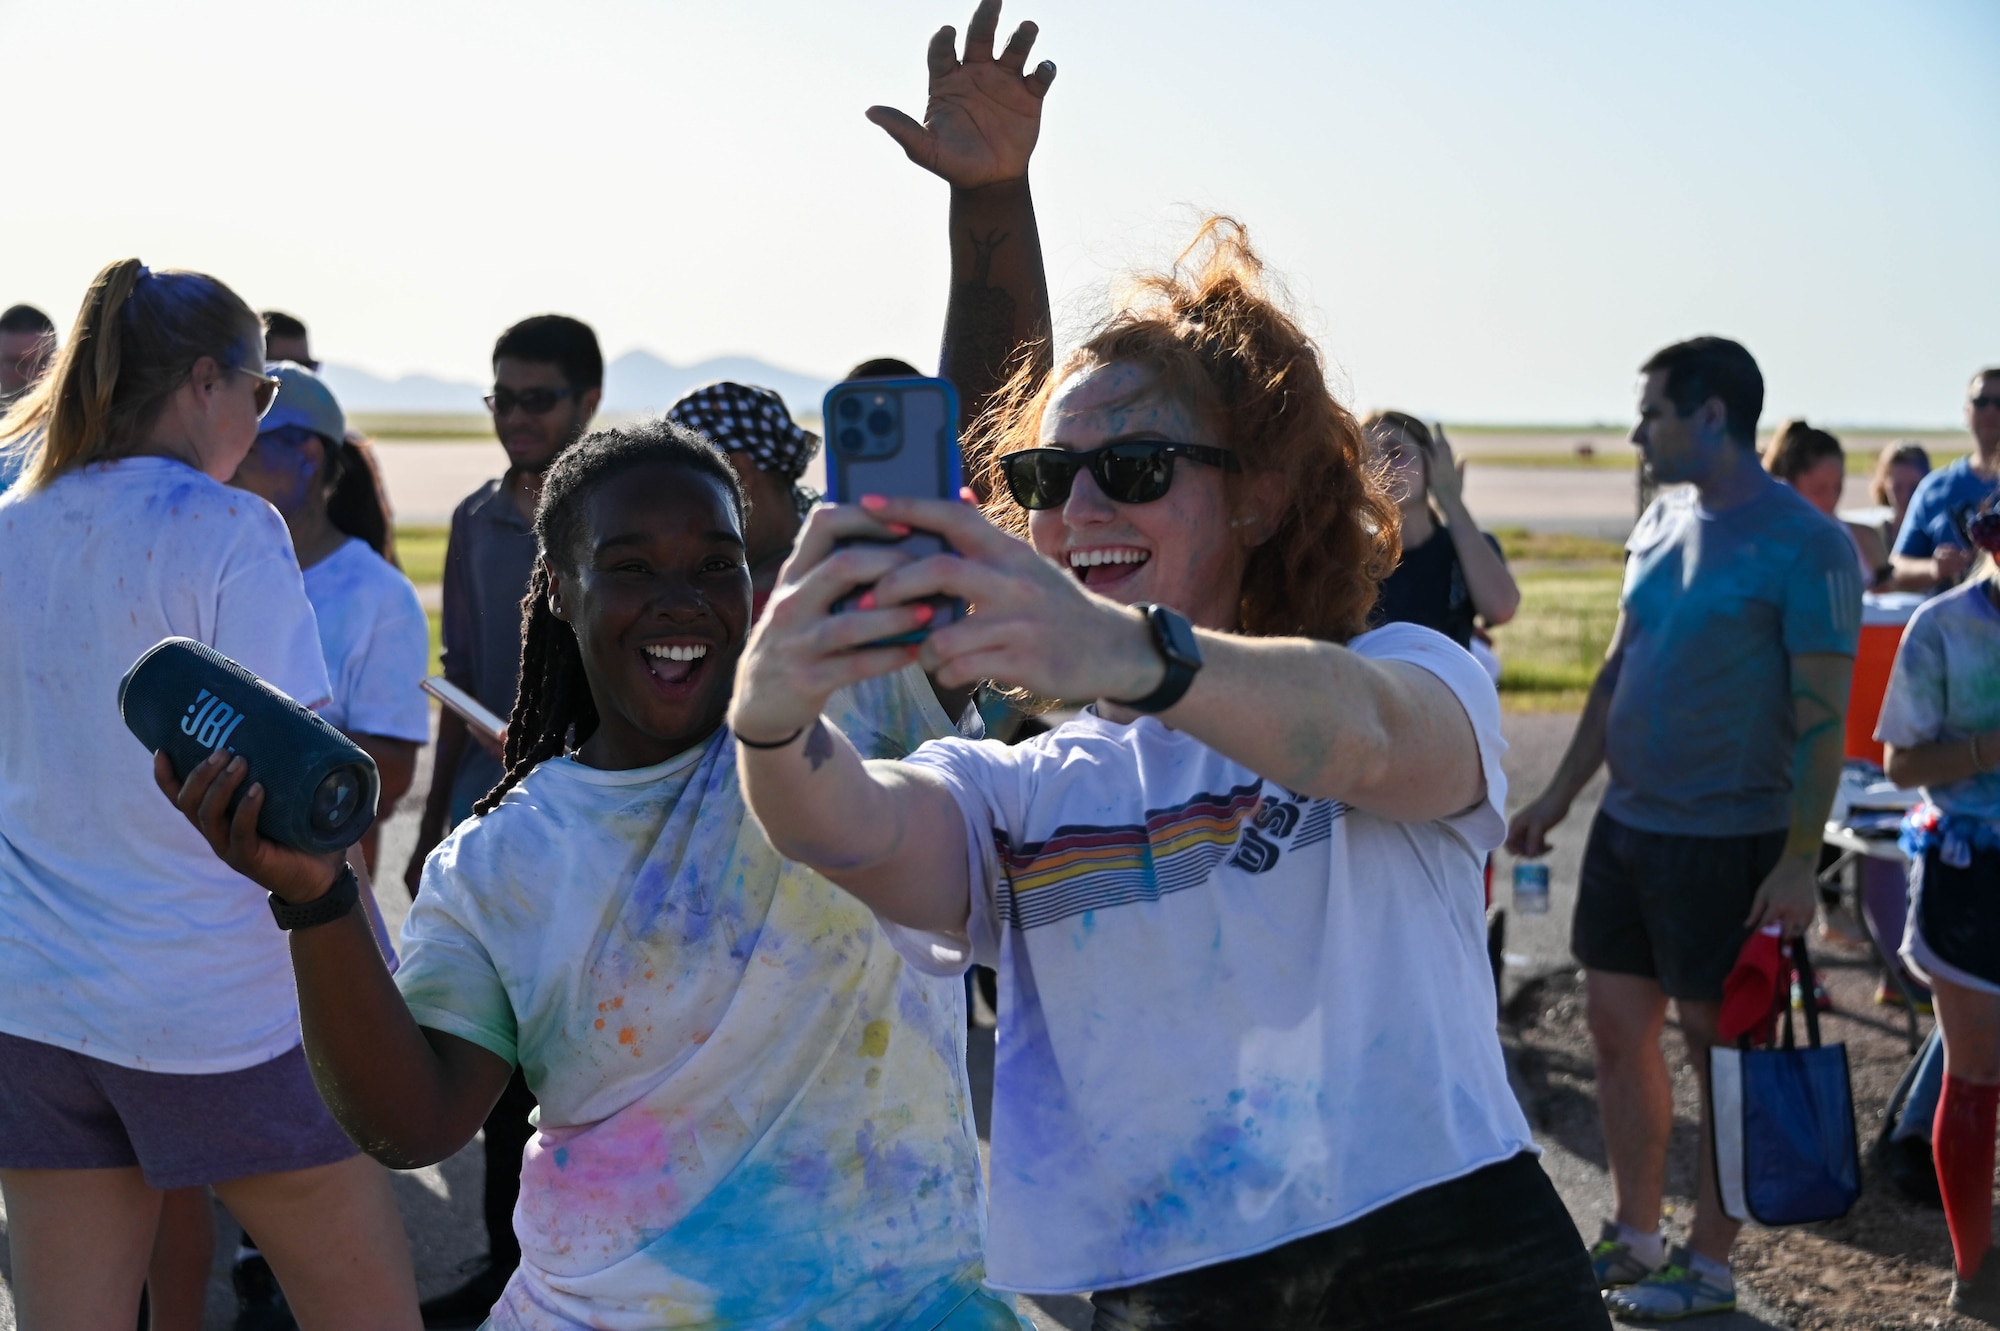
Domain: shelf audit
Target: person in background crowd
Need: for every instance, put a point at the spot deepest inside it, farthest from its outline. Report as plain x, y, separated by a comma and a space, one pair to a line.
1719, 708
1451, 576
371, 625
27, 345
1931, 551
548, 376
149, 1029
1812, 462
1940, 729
285, 339
1899, 469
376, 642
885, 367
770, 452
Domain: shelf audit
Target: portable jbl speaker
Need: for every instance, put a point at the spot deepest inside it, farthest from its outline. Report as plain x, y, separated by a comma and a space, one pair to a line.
190, 700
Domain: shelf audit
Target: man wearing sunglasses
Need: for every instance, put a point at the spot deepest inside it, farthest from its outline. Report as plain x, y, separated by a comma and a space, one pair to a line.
548, 376
1932, 551
285, 339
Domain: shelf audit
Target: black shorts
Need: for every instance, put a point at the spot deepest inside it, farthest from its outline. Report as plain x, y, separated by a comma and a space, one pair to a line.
1956, 914
1668, 907
1492, 1251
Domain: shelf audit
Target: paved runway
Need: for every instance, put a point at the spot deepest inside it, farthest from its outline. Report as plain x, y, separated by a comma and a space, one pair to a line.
427, 479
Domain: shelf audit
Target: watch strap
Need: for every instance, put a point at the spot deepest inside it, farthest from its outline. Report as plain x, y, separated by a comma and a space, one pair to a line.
329, 906
1180, 671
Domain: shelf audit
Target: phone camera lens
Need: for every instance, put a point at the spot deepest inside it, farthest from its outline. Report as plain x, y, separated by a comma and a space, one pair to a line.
880, 421
852, 440
850, 408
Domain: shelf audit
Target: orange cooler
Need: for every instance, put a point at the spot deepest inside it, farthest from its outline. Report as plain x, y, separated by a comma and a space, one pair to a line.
1883, 619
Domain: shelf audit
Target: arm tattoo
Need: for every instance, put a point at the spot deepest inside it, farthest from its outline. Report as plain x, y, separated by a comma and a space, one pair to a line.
819, 745
982, 316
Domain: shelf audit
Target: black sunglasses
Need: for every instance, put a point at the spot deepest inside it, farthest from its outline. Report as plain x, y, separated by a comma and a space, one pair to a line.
534, 401
1135, 471
1982, 402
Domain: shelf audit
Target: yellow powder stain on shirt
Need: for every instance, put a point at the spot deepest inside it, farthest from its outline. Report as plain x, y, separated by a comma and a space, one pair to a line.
600, 1023
875, 1039
626, 1035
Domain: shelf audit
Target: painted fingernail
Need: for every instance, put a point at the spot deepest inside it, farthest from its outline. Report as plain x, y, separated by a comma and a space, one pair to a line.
867, 601
874, 503
925, 613
899, 528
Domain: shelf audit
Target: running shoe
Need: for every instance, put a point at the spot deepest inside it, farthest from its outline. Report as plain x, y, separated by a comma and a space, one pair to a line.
1888, 995
1674, 1291
1614, 1261
1979, 1297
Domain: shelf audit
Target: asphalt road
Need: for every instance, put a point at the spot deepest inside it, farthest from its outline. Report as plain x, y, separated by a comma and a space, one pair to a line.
441, 1204
426, 480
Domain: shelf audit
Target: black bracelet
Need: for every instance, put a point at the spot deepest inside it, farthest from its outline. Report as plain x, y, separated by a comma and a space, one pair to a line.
775, 744
325, 908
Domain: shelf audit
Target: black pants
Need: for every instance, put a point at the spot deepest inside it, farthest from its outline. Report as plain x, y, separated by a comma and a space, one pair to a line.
1493, 1251
507, 1133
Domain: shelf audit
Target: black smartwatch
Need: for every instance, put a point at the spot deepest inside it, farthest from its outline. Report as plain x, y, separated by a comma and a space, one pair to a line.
1173, 638
335, 902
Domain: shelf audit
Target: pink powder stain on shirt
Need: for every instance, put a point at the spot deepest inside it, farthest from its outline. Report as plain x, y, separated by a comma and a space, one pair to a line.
588, 1190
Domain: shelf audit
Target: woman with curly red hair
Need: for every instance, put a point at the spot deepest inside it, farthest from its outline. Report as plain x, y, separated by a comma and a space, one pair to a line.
1247, 1072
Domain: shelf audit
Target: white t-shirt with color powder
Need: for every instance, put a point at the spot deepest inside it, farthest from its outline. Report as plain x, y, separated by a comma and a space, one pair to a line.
122, 936
1230, 1015
1946, 686
376, 641
753, 1113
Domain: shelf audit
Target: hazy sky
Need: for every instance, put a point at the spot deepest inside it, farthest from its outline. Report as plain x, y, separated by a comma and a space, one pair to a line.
1487, 211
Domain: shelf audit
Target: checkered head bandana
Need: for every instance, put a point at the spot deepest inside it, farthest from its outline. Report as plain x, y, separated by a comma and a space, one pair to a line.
742, 419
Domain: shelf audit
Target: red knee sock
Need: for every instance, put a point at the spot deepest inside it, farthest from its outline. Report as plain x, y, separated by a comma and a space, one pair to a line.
1962, 1142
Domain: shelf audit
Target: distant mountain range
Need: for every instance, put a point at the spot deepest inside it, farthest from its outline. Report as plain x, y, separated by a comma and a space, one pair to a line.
637, 383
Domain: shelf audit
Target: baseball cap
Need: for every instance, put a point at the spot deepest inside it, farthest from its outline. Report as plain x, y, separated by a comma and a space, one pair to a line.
303, 400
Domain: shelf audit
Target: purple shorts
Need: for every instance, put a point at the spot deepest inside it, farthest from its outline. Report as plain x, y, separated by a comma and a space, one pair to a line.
63, 1110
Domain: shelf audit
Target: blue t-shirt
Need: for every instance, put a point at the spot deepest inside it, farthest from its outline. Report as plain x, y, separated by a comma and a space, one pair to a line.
1700, 737
1939, 507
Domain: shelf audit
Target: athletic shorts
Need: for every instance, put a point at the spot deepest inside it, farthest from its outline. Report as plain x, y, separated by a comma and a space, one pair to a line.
1670, 908
1953, 932
64, 1110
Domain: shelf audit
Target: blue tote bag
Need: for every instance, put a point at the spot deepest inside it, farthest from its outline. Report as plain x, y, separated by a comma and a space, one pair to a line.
1784, 1141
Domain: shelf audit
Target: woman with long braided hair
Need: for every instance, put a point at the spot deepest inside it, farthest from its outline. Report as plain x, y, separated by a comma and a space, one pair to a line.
753, 1112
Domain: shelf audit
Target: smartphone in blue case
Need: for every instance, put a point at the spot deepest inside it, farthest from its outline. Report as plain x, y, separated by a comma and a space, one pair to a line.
895, 437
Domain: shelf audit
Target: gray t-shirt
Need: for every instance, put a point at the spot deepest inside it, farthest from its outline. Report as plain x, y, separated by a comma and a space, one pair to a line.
1701, 736
487, 564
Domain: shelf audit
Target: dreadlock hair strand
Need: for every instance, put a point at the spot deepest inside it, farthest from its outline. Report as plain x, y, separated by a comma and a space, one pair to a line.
554, 710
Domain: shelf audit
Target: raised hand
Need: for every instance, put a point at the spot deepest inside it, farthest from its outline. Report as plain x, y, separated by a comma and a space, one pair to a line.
984, 112
1443, 473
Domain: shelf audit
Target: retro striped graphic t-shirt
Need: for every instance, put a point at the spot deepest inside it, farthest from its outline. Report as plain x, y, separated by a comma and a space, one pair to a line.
1231, 1015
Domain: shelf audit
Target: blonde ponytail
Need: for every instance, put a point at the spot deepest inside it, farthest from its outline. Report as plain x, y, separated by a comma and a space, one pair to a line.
135, 342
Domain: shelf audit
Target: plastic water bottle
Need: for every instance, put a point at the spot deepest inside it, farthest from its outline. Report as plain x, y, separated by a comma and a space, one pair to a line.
1531, 887
187, 698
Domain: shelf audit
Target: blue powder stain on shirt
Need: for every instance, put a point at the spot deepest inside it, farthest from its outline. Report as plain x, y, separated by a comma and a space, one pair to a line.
562, 1157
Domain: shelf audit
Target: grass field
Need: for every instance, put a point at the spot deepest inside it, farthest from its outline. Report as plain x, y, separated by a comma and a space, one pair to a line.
1549, 652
